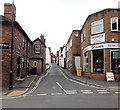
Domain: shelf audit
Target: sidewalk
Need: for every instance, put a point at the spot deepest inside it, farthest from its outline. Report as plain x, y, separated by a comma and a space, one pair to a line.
20, 87
97, 83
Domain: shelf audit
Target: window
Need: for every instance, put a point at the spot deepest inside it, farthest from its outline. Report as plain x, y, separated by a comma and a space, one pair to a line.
35, 63
23, 62
23, 43
83, 36
98, 61
69, 45
85, 62
115, 61
69, 61
97, 27
115, 24
37, 48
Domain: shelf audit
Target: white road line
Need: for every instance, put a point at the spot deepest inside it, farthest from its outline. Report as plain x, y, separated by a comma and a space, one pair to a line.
117, 92
41, 94
87, 92
67, 91
56, 93
103, 92
61, 87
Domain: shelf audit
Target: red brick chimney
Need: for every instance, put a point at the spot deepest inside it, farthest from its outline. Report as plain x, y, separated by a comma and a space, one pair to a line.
42, 38
8, 11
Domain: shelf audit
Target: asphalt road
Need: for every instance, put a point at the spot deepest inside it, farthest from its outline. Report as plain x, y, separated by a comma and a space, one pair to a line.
56, 91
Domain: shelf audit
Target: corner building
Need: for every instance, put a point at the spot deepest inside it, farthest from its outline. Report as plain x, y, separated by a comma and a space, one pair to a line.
100, 44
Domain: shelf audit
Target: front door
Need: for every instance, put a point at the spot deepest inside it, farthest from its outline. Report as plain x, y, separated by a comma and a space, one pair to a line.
18, 67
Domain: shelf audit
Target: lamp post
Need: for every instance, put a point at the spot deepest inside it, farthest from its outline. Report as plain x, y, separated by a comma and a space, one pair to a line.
11, 61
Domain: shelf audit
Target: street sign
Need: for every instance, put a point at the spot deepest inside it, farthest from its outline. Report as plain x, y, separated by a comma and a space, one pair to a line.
4, 45
110, 76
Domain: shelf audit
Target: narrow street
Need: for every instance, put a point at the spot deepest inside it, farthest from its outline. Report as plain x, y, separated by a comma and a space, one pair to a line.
56, 91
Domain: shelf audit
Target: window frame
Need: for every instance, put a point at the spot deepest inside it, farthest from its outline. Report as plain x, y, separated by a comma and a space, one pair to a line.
35, 49
117, 19
98, 23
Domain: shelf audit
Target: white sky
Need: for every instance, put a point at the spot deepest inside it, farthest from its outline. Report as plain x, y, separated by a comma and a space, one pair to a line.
55, 18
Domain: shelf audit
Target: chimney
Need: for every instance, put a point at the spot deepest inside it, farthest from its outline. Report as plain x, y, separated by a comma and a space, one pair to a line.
8, 10
42, 38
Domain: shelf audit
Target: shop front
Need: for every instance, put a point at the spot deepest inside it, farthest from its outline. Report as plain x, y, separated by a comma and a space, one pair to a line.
99, 59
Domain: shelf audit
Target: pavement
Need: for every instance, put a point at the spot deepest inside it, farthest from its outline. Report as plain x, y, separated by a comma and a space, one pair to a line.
114, 85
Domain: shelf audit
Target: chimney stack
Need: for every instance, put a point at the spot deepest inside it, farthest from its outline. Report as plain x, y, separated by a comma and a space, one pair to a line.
9, 11
42, 38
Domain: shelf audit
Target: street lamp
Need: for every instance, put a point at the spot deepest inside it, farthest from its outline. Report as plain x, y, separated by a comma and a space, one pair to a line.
11, 61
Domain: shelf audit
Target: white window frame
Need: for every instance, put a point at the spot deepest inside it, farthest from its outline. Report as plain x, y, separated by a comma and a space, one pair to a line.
35, 48
96, 23
117, 24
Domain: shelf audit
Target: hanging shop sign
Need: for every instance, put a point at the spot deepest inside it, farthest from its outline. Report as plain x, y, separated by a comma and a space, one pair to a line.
4, 45
102, 46
98, 38
110, 76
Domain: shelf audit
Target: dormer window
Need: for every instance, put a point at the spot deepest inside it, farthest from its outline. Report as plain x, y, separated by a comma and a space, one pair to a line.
37, 48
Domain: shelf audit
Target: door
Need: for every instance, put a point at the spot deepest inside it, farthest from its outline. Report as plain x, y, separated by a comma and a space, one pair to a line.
77, 61
18, 67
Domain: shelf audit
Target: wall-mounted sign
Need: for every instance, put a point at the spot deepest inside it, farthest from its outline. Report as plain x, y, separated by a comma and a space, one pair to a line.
110, 76
97, 38
4, 45
102, 46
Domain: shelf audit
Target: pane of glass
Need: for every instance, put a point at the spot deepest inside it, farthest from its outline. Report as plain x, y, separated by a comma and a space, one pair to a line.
114, 23
119, 24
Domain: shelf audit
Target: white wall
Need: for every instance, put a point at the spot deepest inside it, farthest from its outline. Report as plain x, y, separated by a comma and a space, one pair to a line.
48, 56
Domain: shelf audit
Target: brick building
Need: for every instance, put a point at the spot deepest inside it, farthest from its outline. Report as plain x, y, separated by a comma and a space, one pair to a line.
100, 44
73, 50
23, 51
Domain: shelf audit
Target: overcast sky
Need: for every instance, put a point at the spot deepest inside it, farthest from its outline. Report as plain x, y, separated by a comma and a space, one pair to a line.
55, 18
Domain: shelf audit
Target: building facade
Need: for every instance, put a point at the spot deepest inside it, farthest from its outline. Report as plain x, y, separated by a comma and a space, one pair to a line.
100, 44
73, 50
17, 50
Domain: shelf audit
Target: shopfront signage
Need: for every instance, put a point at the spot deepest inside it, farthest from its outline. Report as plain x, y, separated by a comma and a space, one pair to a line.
97, 38
110, 76
4, 45
102, 46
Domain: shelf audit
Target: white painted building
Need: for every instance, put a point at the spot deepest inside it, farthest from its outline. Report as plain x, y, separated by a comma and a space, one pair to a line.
48, 56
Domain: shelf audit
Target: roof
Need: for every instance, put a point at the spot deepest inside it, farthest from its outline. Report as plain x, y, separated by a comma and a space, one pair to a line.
107, 9
5, 20
37, 39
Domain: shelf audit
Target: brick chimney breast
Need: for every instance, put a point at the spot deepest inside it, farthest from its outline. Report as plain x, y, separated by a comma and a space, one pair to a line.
42, 38
8, 11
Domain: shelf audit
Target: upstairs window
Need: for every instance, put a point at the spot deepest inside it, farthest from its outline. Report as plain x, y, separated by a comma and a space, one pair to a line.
83, 36
23, 43
37, 48
97, 27
115, 24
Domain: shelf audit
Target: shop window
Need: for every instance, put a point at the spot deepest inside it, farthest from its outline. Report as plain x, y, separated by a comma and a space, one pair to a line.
37, 48
97, 27
98, 61
115, 61
115, 24
85, 62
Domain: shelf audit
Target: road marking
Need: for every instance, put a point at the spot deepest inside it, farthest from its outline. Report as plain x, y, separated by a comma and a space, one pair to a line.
41, 94
56, 93
103, 92
87, 92
67, 91
117, 92
61, 87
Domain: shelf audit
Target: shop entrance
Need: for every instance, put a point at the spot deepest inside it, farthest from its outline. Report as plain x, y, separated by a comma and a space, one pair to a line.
18, 67
98, 61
